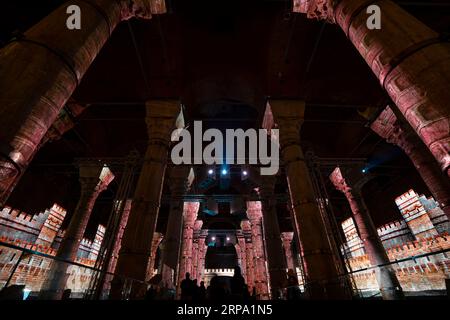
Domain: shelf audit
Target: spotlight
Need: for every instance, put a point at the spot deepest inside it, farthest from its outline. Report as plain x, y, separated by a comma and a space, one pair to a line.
228, 238
210, 171
224, 172
213, 238
244, 173
364, 170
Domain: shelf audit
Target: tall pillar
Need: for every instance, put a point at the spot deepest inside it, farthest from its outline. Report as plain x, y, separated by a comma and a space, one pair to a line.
94, 178
349, 181
254, 214
156, 241
412, 63
389, 127
117, 244
274, 247
40, 70
240, 246
247, 230
63, 123
180, 179
201, 255
195, 249
287, 238
137, 239
189, 218
321, 273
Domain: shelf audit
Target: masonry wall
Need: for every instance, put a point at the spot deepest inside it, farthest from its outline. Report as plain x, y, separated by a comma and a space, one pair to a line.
423, 230
41, 233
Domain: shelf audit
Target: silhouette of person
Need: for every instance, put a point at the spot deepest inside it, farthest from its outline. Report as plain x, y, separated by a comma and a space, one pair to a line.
217, 292
202, 291
187, 287
237, 283
293, 291
151, 293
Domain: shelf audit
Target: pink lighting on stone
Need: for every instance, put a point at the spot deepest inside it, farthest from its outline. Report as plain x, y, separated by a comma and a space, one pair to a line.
388, 127
411, 64
254, 214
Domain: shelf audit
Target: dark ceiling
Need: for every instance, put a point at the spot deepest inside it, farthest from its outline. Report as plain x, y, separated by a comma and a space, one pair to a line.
222, 59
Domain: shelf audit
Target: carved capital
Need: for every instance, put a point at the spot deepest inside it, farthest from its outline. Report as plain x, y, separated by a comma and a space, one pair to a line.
388, 127
246, 226
316, 9
143, 9
180, 180
190, 213
287, 237
94, 176
288, 117
161, 119
349, 180
254, 211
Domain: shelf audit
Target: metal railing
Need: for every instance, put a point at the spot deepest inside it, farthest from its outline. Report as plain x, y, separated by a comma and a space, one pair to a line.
34, 273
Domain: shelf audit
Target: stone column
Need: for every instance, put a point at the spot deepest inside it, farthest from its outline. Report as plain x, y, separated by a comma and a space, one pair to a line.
180, 179
254, 214
321, 273
63, 123
40, 70
411, 62
243, 255
195, 249
286, 238
137, 239
202, 248
94, 178
157, 238
349, 181
189, 217
247, 230
117, 244
274, 247
389, 127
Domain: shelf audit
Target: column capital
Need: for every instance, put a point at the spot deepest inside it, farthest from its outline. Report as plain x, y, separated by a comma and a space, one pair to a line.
288, 116
349, 180
161, 119
94, 175
180, 180
254, 211
388, 127
198, 225
287, 237
190, 213
245, 226
316, 9
143, 9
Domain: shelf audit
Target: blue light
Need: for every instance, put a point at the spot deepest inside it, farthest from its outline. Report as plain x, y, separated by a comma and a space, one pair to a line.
224, 172
364, 170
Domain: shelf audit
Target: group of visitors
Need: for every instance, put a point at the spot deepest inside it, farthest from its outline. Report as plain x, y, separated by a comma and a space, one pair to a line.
225, 288
219, 289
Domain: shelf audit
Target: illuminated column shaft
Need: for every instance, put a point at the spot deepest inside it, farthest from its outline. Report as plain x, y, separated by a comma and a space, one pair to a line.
94, 178
388, 127
40, 70
321, 272
254, 214
274, 247
411, 61
349, 181
137, 239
